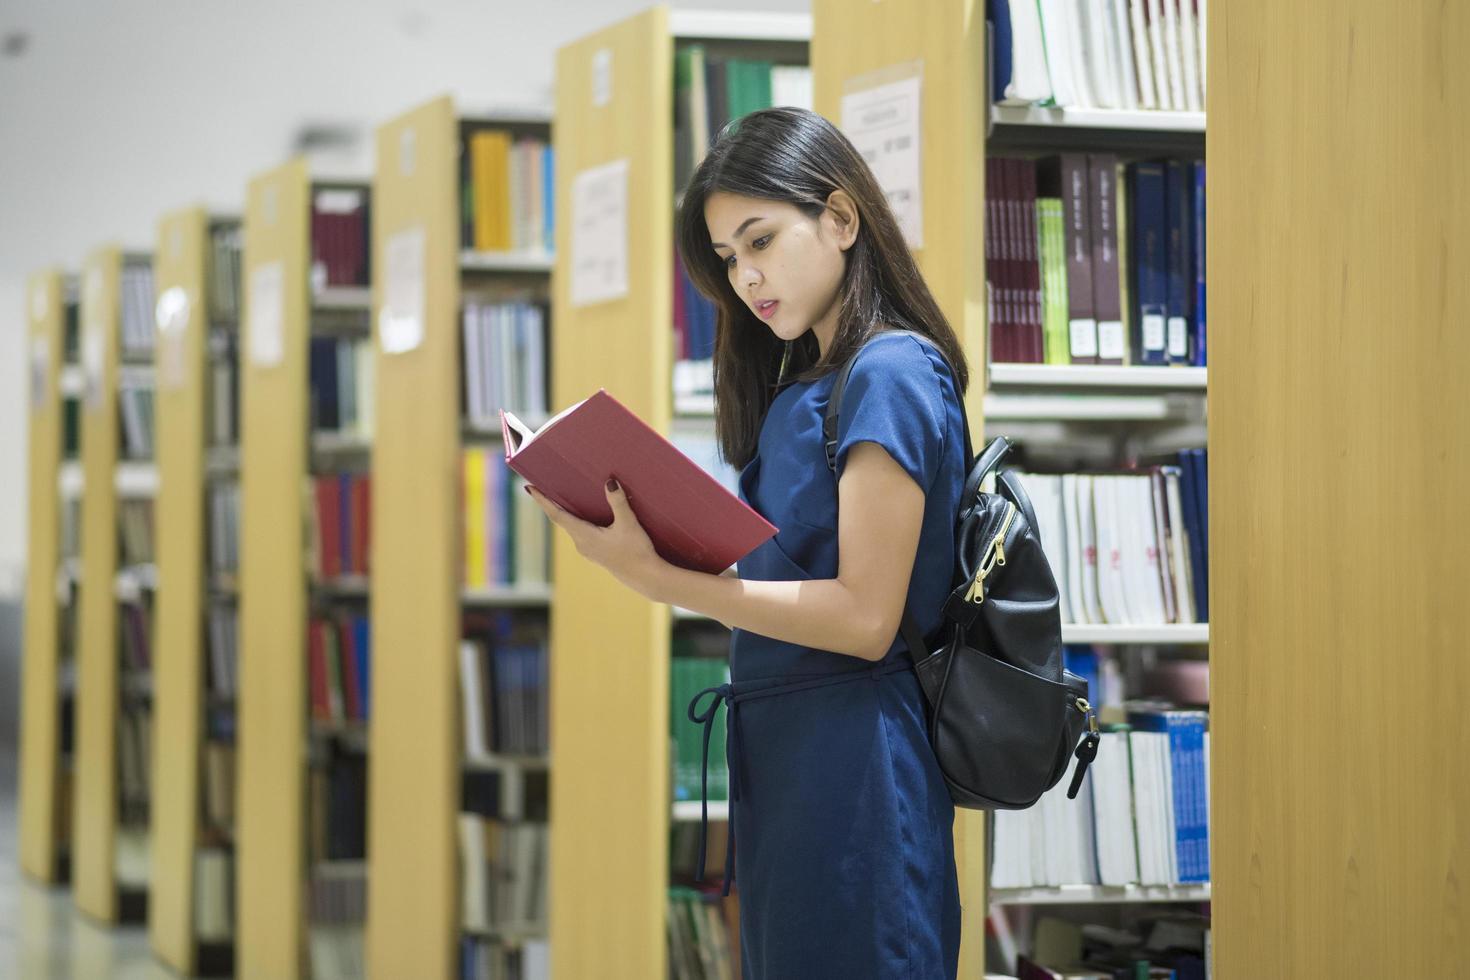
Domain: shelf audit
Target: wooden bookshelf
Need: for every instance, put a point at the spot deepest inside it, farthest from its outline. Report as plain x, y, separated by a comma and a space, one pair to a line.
181, 369
610, 703
414, 917
43, 844
97, 889
855, 47
286, 303
270, 827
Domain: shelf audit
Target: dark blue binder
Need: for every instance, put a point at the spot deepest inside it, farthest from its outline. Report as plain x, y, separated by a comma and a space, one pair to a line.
1148, 231
1197, 261
1177, 207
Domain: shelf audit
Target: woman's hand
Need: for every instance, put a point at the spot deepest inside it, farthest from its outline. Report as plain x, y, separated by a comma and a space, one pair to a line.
623, 547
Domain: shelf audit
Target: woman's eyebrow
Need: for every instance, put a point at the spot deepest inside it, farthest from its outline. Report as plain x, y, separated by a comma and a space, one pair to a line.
738, 231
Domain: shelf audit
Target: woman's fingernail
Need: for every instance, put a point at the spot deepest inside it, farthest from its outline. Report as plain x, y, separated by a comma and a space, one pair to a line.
612, 485
527, 488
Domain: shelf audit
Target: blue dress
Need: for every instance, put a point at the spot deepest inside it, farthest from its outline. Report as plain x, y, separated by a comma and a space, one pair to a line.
841, 823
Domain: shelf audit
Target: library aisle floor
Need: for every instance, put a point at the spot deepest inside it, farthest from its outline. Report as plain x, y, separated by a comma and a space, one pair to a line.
41, 935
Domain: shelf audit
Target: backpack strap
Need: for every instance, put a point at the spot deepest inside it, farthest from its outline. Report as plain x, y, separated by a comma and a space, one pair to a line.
917, 646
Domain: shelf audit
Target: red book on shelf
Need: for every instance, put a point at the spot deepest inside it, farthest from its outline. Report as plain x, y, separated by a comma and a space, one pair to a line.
316, 662
351, 683
362, 509
693, 520
329, 527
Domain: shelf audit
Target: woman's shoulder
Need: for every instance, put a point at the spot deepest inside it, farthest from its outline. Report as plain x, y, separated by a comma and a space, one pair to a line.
900, 351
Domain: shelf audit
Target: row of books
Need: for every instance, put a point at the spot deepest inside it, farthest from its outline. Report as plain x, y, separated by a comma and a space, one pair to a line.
700, 939
503, 876
503, 689
507, 539
710, 90
134, 763
226, 243
341, 370
1090, 260
337, 801
339, 238
135, 623
337, 913
1110, 54
1150, 943
490, 959
341, 526
694, 337
136, 402
135, 530
506, 361
688, 676
339, 662
1130, 548
136, 296
1142, 816
508, 192
214, 889
223, 405
218, 789
224, 528
224, 651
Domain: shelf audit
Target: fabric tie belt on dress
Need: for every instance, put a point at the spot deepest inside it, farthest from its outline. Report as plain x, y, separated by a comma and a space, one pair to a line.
732, 700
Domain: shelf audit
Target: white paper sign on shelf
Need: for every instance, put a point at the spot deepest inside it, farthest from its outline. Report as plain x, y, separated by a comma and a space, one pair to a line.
40, 372
267, 314
602, 80
171, 316
401, 321
881, 116
600, 234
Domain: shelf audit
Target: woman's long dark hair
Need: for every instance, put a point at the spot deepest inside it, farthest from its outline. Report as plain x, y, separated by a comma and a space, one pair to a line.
797, 156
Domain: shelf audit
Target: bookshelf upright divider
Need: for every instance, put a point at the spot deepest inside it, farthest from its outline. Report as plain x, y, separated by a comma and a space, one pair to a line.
274, 416
110, 859
429, 278
859, 47
184, 305
42, 797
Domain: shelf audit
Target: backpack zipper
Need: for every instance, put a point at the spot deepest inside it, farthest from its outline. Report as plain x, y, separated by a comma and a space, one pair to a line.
995, 555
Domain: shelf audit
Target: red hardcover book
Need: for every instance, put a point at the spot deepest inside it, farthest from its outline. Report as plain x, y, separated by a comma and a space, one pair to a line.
316, 662
693, 520
329, 527
362, 522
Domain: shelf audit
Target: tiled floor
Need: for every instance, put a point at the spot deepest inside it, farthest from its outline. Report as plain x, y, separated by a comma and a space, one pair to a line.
42, 937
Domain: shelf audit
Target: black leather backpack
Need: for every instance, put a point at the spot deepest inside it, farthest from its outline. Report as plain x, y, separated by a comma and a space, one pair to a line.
1004, 715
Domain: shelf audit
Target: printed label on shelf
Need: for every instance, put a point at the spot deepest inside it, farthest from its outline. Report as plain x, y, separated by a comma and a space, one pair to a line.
602, 80
401, 323
267, 314
882, 121
600, 234
171, 316
40, 372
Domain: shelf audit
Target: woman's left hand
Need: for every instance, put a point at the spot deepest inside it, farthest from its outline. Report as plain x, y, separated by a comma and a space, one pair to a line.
623, 547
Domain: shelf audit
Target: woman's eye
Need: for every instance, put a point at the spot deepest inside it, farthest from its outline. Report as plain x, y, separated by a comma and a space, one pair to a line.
762, 242
729, 261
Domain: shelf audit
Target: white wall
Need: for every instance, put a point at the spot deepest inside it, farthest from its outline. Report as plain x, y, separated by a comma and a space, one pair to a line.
119, 112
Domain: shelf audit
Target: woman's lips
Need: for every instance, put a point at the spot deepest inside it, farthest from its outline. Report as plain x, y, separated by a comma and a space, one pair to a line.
767, 309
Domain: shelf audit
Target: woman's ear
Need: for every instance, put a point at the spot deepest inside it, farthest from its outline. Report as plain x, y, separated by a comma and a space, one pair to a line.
841, 217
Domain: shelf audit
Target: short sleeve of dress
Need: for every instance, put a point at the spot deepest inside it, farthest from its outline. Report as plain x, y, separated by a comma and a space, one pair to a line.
894, 398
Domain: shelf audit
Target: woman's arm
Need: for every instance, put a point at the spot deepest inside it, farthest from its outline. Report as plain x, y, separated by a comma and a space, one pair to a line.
880, 512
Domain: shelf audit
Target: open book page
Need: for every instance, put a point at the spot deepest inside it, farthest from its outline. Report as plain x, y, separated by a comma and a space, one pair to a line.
521, 436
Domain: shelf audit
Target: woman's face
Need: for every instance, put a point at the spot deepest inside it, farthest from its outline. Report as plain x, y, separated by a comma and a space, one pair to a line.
785, 266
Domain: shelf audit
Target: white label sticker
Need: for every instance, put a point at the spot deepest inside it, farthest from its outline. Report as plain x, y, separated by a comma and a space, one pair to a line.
1178, 337
1110, 340
602, 80
883, 122
1084, 338
171, 317
1153, 332
266, 318
600, 234
40, 372
401, 321
406, 155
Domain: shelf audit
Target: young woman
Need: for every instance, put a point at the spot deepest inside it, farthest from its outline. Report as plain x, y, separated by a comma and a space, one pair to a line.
845, 858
